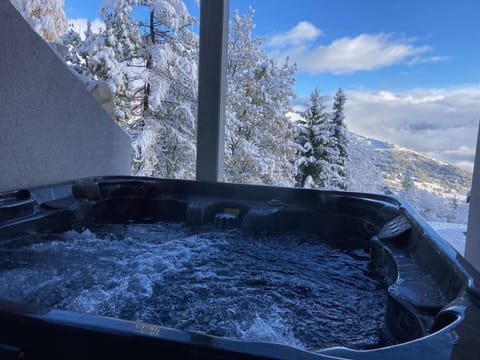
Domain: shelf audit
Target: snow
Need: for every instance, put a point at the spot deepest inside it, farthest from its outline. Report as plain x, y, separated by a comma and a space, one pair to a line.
293, 116
454, 234
46, 17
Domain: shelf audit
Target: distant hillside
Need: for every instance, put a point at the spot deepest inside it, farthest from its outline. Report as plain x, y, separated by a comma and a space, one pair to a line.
427, 173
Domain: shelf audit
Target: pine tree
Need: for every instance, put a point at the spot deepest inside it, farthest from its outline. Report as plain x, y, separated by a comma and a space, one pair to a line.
314, 144
341, 139
306, 162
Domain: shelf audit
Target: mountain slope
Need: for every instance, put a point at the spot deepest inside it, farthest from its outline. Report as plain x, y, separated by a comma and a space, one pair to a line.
426, 172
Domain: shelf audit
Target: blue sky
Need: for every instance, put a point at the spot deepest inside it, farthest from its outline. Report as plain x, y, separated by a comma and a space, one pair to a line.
445, 34
442, 32
410, 69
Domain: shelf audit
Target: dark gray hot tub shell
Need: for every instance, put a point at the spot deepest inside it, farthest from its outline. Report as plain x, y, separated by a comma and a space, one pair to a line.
433, 307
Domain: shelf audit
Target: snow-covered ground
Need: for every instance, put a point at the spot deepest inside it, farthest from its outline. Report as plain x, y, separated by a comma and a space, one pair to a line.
453, 233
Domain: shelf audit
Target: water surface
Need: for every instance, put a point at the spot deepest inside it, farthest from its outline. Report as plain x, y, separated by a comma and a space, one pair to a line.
289, 288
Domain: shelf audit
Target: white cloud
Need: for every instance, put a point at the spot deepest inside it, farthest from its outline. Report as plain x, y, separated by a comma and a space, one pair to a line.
346, 55
365, 52
423, 60
440, 122
303, 32
80, 25
462, 151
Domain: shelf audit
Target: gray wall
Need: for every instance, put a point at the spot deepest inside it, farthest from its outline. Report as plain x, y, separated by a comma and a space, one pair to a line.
51, 127
472, 246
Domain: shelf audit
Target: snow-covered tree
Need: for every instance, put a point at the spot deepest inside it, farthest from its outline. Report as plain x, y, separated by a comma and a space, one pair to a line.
407, 181
46, 17
120, 57
259, 137
317, 150
322, 141
170, 52
113, 55
430, 206
362, 174
168, 89
340, 134
151, 67
311, 140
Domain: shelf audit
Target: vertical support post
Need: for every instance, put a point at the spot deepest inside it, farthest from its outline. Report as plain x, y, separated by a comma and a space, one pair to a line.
212, 89
472, 245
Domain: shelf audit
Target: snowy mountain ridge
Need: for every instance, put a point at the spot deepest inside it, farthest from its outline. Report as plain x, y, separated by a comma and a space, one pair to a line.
394, 162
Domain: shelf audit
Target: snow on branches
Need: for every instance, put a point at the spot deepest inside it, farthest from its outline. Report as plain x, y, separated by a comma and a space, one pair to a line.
46, 17
259, 144
321, 144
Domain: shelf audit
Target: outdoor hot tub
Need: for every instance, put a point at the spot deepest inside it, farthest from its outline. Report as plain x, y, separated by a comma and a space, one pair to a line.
114, 267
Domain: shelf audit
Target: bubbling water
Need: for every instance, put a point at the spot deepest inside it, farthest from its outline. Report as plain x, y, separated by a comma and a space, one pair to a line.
288, 288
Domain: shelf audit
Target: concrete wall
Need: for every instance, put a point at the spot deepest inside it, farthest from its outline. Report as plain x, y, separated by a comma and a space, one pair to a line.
51, 127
